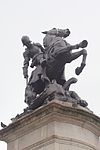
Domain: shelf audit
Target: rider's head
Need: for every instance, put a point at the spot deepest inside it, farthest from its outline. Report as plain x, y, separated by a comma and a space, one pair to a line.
25, 40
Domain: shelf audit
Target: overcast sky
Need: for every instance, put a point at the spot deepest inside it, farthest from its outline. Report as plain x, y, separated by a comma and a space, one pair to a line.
31, 17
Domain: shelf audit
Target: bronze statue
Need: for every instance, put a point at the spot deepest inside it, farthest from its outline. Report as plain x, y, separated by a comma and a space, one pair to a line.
57, 47
50, 62
33, 52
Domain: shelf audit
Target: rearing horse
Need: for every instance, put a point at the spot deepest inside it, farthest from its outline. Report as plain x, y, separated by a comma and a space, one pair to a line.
59, 52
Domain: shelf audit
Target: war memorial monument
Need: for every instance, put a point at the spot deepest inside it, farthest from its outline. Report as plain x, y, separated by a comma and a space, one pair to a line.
56, 118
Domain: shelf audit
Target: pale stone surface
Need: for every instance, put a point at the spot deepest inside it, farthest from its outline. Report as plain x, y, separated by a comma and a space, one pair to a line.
56, 126
78, 133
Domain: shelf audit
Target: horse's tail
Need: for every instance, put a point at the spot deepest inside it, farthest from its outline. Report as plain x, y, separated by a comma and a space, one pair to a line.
67, 84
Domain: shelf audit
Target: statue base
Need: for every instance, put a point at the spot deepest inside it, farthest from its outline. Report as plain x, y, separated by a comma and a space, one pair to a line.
57, 125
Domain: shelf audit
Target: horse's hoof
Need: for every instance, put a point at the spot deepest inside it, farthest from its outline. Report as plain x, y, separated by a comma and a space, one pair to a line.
78, 70
83, 44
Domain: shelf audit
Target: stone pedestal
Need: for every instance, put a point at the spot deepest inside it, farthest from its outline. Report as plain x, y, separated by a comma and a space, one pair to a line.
54, 126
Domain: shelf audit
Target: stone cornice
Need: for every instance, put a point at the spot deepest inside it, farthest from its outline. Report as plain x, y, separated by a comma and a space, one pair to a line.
53, 111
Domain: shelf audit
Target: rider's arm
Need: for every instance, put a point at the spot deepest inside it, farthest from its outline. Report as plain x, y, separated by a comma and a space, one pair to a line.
39, 46
26, 63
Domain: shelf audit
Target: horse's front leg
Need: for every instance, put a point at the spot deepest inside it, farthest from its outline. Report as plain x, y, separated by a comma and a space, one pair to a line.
82, 44
78, 70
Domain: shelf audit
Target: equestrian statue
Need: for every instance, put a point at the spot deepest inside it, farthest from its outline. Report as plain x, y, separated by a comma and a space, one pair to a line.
47, 80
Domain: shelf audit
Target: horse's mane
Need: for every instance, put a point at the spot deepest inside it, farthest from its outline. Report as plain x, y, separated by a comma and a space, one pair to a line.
48, 40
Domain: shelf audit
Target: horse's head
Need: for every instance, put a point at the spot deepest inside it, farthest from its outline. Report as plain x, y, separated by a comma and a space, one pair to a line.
63, 33
58, 32
53, 33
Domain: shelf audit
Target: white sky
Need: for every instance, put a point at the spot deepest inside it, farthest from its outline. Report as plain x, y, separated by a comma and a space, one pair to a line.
31, 17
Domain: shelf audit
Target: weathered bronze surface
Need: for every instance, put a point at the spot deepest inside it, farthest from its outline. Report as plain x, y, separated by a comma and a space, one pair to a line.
47, 80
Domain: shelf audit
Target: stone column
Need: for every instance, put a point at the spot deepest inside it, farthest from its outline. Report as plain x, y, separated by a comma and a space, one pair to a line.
54, 126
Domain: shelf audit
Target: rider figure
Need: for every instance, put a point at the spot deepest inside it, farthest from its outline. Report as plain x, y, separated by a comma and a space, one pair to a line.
34, 52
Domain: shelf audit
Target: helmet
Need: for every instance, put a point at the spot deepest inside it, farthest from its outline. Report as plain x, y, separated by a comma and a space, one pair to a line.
25, 39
